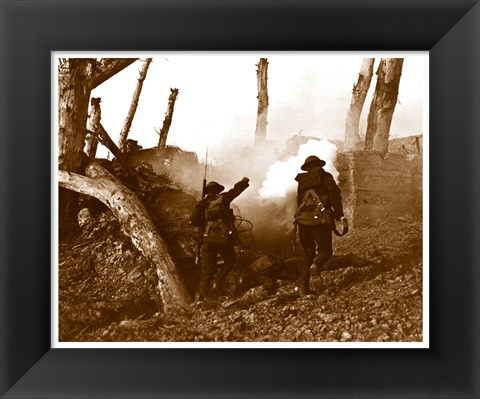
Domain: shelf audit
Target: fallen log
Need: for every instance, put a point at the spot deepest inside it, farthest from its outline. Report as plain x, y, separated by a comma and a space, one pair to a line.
135, 222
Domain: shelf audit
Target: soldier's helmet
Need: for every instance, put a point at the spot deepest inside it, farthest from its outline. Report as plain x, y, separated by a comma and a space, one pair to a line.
312, 160
214, 188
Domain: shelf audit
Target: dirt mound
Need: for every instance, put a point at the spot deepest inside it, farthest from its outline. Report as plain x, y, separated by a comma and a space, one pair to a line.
102, 278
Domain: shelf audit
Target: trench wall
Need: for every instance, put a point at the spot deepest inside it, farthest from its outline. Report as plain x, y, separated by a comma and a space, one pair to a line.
376, 188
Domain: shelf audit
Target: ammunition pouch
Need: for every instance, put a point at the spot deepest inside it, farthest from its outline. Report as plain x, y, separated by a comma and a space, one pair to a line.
312, 211
216, 232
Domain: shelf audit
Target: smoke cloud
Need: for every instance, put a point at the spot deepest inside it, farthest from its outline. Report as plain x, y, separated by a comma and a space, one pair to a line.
270, 201
281, 174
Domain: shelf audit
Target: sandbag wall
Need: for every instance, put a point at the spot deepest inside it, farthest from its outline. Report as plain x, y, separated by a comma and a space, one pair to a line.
376, 188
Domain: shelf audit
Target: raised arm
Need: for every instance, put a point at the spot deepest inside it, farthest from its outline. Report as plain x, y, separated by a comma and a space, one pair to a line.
237, 189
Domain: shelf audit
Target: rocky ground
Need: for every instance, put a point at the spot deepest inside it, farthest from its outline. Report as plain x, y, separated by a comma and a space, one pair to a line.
107, 294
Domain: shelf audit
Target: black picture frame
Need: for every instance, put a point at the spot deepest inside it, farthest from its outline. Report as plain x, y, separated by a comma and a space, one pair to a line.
30, 30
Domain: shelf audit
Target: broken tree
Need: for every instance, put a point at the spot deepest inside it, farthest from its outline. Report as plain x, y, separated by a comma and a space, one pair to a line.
91, 142
77, 77
122, 142
359, 93
135, 223
162, 140
383, 104
262, 113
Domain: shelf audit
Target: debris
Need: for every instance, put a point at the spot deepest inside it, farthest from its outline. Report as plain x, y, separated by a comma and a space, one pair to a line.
346, 337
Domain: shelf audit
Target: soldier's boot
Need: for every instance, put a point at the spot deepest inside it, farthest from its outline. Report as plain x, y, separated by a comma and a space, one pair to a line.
305, 284
198, 302
214, 290
317, 282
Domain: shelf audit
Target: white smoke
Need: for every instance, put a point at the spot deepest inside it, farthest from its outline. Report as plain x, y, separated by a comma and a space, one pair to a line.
269, 204
280, 177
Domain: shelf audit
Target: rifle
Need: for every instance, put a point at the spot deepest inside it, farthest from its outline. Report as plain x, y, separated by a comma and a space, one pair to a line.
202, 213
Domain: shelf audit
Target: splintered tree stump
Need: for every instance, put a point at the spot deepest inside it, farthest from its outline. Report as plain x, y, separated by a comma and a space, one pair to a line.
167, 122
122, 142
383, 104
359, 93
91, 142
77, 77
262, 113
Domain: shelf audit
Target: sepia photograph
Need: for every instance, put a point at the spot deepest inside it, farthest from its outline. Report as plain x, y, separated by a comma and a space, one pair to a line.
240, 199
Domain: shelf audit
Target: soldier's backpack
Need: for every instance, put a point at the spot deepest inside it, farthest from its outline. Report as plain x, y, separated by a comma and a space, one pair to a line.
218, 222
215, 209
207, 211
312, 210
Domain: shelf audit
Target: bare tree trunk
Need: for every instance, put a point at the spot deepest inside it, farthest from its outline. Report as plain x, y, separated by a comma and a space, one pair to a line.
74, 88
359, 93
91, 142
135, 223
75, 84
262, 113
77, 77
383, 104
122, 142
162, 141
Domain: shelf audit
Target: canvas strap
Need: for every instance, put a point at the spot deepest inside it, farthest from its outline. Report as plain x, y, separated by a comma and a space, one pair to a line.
308, 193
314, 195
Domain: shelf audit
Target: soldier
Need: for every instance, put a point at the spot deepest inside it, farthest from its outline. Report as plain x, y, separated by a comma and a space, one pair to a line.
214, 216
320, 204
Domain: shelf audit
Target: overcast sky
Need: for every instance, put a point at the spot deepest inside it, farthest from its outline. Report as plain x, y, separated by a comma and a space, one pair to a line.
309, 94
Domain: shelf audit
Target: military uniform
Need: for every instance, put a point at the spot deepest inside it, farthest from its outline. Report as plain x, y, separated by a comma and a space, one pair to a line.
213, 246
317, 240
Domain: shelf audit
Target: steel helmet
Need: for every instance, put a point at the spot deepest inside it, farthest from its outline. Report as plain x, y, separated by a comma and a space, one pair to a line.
312, 159
214, 187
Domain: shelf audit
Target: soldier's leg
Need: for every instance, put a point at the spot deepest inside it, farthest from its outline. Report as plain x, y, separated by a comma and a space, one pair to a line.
323, 240
227, 252
308, 243
208, 264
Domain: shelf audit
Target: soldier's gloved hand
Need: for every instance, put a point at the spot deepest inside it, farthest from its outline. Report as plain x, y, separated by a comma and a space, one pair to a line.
345, 224
341, 226
246, 179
